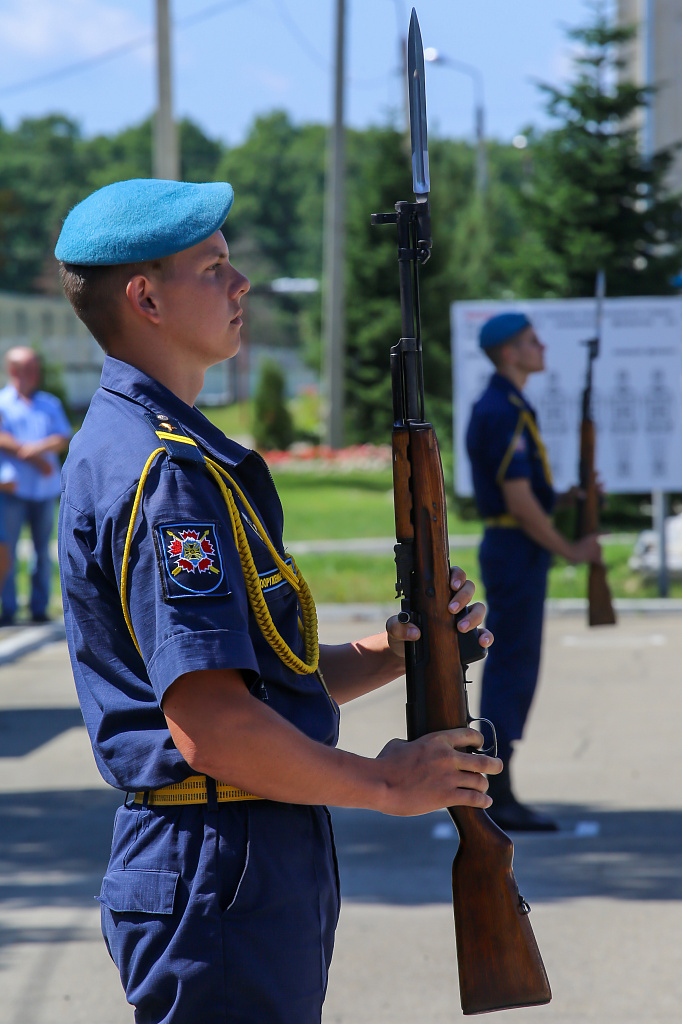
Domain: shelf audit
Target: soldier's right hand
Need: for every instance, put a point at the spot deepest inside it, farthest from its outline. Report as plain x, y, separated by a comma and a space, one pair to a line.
436, 771
587, 549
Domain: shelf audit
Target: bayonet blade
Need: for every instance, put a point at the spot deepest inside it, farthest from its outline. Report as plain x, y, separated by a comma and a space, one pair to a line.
599, 292
417, 93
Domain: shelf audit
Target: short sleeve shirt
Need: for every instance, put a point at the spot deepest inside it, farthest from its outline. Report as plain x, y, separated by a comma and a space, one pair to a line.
33, 419
504, 443
185, 590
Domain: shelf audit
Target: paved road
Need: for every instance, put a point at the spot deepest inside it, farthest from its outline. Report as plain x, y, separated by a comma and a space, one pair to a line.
602, 754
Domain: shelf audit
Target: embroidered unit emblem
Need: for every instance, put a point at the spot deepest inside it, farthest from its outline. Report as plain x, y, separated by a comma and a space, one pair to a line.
192, 552
190, 560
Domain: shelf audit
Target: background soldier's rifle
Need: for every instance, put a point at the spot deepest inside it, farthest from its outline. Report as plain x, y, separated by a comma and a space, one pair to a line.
600, 607
499, 962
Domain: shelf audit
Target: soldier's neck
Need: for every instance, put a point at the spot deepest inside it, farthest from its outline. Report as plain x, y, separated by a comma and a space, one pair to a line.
517, 377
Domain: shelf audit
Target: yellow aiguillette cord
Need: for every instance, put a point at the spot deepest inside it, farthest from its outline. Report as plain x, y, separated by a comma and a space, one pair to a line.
251, 578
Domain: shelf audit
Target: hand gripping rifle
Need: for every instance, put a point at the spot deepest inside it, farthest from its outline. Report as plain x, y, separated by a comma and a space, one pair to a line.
600, 607
499, 962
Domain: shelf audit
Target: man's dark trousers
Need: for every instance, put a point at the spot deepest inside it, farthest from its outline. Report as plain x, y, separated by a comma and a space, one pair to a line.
514, 571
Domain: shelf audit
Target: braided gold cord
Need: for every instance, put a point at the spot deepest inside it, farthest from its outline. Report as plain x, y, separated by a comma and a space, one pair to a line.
253, 587
251, 578
129, 540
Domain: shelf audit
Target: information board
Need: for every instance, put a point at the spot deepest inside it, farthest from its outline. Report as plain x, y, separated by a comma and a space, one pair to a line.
637, 387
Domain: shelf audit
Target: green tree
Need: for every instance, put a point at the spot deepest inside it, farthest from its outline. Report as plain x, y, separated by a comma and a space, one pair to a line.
128, 154
470, 239
275, 227
46, 167
272, 422
41, 177
593, 199
278, 177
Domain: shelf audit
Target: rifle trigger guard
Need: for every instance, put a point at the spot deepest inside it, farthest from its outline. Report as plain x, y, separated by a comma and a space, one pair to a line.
490, 751
524, 905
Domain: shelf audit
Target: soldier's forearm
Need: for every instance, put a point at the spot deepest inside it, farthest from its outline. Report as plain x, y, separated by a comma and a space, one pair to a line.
362, 666
532, 518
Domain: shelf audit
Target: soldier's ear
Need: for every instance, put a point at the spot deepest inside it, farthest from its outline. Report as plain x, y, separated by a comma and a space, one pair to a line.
141, 298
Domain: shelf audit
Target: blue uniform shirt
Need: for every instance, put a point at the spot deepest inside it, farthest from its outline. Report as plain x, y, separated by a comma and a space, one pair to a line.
184, 619
504, 443
33, 419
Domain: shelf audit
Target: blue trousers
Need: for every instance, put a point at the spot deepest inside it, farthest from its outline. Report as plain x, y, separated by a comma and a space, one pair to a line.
223, 914
40, 517
514, 572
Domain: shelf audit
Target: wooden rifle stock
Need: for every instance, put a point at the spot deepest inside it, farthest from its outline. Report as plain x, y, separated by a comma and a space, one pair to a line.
599, 604
500, 966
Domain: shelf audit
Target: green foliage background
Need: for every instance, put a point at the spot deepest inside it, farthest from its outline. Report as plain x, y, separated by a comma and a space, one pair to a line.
581, 196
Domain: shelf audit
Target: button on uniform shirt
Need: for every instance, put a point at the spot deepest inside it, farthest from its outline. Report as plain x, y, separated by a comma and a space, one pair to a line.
33, 419
185, 616
504, 443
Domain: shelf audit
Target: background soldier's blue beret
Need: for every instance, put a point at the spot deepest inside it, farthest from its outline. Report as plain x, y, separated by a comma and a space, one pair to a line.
142, 219
501, 328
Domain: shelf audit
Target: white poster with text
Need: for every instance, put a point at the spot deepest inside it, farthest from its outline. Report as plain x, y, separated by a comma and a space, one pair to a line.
637, 393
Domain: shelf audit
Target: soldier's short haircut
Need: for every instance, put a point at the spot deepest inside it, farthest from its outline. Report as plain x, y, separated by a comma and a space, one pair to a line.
494, 353
96, 293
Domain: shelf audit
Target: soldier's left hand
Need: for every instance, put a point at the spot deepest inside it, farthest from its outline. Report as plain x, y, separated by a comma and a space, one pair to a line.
399, 632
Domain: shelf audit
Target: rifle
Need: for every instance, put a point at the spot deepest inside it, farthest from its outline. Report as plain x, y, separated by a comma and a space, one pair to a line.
600, 607
499, 962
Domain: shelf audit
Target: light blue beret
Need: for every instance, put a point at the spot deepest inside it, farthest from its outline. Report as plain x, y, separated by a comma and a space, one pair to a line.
501, 328
142, 219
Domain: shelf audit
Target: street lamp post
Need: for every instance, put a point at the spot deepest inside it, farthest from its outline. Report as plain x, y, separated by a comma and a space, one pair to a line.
431, 54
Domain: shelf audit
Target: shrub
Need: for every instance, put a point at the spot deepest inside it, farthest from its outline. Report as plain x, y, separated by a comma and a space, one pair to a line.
272, 423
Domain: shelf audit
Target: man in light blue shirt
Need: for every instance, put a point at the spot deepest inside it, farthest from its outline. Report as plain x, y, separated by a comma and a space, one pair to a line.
34, 430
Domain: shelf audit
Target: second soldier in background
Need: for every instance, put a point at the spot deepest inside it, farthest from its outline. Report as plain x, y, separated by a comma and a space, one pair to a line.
515, 498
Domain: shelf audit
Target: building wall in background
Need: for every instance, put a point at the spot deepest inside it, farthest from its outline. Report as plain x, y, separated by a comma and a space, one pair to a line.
49, 325
654, 57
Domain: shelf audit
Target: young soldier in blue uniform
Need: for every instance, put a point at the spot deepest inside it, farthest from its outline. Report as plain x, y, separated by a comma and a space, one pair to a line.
515, 497
201, 695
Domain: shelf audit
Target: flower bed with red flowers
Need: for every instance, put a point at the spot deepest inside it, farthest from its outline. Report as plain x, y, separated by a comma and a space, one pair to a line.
320, 458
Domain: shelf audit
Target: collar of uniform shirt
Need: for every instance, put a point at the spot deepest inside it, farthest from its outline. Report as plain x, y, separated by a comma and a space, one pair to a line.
126, 380
504, 384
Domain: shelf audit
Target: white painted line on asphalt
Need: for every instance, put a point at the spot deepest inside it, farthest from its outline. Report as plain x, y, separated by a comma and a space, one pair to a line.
553, 607
384, 545
623, 605
615, 639
368, 545
30, 638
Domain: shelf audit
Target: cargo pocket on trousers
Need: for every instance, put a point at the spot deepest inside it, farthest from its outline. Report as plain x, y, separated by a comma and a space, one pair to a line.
132, 890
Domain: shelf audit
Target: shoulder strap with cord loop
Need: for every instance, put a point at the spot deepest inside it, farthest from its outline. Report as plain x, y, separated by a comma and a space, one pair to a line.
179, 446
524, 421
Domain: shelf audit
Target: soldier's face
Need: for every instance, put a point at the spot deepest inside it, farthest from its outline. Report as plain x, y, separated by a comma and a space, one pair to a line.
202, 301
529, 352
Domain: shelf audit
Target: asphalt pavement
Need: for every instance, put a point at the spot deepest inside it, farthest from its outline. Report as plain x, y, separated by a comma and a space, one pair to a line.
606, 892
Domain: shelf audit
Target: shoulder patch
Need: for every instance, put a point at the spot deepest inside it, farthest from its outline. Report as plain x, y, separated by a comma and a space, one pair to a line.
190, 560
